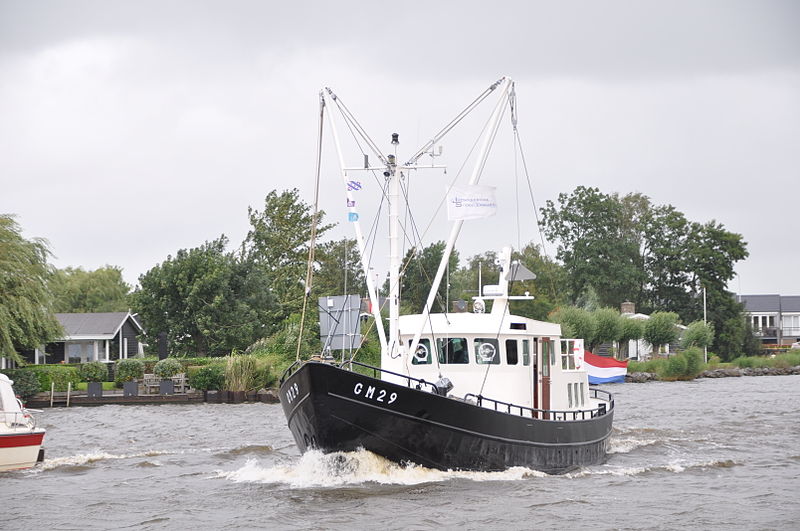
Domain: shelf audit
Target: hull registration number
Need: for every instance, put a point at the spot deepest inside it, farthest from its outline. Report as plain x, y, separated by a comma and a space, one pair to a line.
373, 393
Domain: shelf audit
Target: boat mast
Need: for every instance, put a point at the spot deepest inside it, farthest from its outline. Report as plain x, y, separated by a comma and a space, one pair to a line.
371, 288
394, 252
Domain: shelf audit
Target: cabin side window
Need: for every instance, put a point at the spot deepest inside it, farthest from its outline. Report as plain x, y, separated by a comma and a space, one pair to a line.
487, 351
423, 354
453, 350
526, 352
567, 355
512, 356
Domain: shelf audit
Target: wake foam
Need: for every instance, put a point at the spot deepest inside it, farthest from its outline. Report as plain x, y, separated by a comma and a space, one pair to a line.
675, 467
87, 459
315, 469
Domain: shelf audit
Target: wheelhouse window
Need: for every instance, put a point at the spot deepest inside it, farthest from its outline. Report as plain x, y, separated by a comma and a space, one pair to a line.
487, 351
512, 357
453, 350
526, 352
423, 354
567, 355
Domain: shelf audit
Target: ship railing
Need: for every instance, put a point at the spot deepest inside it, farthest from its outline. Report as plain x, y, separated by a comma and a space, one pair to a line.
414, 383
18, 419
548, 414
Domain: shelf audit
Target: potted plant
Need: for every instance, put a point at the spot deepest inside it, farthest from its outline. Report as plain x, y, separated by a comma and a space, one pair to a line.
128, 372
208, 379
94, 373
239, 377
166, 369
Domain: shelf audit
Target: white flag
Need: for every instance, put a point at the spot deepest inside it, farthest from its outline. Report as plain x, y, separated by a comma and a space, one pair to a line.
471, 202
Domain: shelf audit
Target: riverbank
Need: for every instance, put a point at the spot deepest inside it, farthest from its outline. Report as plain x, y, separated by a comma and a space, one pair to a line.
727, 372
80, 398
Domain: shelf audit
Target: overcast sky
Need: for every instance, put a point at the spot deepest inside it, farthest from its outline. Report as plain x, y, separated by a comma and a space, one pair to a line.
130, 130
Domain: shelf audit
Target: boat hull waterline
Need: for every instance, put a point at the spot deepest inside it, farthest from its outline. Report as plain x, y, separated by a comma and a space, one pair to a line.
333, 409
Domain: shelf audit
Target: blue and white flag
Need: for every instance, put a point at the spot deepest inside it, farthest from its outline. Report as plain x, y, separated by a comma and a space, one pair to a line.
471, 202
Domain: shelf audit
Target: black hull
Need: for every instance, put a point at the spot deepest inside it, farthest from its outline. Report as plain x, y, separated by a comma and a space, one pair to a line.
333, 409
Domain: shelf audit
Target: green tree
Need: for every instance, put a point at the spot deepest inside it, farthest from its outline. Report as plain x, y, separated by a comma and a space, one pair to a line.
207, 300
79, 291
698, 334
661, 329
548, 288
26, 303
575, 323
596, 245
464, 280
608, 325
338, 269
604, 238
278, 243
419, 269
629, 330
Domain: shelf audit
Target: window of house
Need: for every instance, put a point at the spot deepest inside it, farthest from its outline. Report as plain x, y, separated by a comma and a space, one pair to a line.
453, 350
487, 351
511, 352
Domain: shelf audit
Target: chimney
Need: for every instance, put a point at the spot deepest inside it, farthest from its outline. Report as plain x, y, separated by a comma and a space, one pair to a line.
628, 307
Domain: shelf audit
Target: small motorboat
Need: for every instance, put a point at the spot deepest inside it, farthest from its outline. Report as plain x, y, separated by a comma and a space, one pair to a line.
20, 439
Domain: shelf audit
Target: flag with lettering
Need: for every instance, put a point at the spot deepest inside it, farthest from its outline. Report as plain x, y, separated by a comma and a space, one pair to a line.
472, 201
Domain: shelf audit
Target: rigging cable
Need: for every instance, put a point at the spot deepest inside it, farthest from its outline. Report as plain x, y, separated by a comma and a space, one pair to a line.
314, 220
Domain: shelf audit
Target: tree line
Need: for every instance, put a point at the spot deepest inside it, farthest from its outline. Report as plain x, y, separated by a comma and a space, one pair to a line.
216, 298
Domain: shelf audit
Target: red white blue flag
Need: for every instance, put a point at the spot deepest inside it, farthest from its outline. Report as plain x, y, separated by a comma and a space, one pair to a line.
604, 370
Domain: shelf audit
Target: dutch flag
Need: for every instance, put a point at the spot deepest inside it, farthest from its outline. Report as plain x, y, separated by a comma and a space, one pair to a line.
604, 370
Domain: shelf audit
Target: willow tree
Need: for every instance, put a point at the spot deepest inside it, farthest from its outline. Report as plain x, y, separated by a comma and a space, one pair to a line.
26, 315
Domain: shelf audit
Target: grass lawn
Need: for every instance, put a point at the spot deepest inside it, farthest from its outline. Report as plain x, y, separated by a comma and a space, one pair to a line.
107, 386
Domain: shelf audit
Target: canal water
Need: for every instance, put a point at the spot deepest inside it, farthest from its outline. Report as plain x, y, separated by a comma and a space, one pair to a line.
707, 454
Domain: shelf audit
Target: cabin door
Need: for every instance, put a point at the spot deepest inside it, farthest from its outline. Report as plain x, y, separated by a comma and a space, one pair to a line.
536, 366
544, 362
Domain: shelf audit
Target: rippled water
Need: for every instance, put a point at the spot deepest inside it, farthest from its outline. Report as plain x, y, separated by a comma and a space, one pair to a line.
708, 454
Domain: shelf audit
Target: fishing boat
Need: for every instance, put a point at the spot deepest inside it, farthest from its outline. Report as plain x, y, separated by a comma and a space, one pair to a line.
483, 390
20, 438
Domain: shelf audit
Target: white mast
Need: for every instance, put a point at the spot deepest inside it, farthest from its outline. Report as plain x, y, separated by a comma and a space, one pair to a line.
505, 83
394, 254
371, 288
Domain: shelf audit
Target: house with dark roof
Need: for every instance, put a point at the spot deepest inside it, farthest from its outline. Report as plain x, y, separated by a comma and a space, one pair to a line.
775, 318
92, 337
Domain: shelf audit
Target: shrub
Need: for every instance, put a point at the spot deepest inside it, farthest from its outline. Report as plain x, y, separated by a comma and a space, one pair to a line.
60, 375
676, 367
209, 377
698, 334
745, 362
240, 373
694, 361
26, 383
94, 371
167, 368
129, 370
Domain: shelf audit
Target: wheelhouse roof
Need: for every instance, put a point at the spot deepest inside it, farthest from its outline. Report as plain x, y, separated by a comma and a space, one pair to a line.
475, 323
